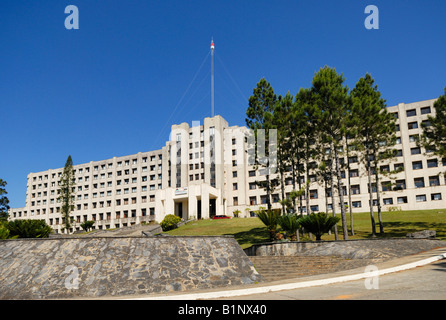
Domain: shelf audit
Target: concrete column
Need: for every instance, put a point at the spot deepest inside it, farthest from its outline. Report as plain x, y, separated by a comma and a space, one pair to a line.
204, 203
192, 207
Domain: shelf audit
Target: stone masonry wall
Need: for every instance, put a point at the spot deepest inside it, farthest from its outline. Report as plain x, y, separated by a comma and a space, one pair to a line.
350, 249
98, 267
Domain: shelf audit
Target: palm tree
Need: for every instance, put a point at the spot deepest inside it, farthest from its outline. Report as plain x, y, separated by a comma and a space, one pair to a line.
290, 224
318, 223
270, 220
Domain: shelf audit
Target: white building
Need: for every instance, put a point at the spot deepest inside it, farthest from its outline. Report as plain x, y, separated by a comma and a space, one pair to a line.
203, 170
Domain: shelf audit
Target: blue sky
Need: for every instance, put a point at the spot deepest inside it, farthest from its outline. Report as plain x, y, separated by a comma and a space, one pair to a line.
114, 86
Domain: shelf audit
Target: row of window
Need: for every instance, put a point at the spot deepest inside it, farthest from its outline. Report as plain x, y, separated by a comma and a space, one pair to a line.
107, 216
355, 204
103, 176
413, 112
94, 195
102, 167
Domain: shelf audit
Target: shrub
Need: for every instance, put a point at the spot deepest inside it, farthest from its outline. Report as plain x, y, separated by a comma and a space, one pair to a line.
318, 223
270, 220
4, 232
170, 222
290, 224
87, 225
29, 228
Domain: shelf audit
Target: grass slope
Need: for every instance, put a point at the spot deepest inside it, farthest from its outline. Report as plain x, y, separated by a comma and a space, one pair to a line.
248, 231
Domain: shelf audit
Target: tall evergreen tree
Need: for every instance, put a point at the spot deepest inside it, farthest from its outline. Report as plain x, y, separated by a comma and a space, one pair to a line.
66, 192
331, 97
259, 116
434, 135
375, 135
308, 116
4, 201
281, 120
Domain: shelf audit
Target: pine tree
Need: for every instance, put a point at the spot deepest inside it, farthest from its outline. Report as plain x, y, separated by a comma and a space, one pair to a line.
4, 201
259, 116
375, 135
66, 192
281, 120
331, 97
307, 119
434, 135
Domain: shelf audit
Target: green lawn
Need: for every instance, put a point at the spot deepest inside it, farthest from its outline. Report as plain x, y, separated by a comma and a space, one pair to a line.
248, 231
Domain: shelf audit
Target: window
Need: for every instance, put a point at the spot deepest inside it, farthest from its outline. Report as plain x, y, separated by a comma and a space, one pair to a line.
353, 159
412, 125
234, 174
234, 186
356, 189
252, 186
388, 200
411, 113
419, 182
386, 186
416, 150
398, 153
402, 200
414, 138
416, 165
425, 110
398, 167
356, 204
421, 198
432, 163
252, 173
354, 173
313, 194
253, 200
434, 181
425, 123
400, 184
235, 201
435, 196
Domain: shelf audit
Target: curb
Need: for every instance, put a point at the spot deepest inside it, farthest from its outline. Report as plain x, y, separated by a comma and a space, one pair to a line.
293, 285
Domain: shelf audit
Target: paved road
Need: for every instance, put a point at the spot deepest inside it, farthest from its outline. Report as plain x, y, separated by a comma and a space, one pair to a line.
427, 282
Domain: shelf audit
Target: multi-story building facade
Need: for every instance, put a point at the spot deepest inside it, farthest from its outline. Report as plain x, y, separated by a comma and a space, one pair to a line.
204, 170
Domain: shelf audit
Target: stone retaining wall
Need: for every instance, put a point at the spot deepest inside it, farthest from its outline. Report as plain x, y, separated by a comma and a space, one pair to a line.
97, 267
351, 249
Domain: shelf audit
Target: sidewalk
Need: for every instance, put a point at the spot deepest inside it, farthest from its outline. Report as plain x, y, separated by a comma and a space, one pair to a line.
391, 266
